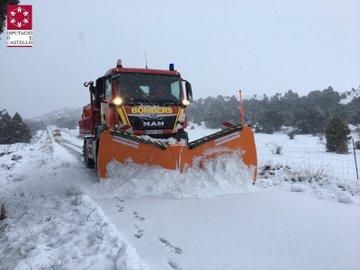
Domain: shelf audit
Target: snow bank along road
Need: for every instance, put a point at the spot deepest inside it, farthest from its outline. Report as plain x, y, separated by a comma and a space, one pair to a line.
60, 216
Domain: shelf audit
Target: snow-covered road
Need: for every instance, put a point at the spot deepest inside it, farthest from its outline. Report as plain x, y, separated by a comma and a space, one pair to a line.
268, 229
260, 228
263, 229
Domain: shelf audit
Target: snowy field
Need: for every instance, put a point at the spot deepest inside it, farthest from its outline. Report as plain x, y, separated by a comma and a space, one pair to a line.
303, 212
305, 153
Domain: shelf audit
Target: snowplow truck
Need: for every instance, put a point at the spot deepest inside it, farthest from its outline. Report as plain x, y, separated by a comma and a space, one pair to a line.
138, 115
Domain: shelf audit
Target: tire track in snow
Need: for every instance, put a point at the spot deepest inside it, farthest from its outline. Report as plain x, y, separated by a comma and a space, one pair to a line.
69, 142
72, 151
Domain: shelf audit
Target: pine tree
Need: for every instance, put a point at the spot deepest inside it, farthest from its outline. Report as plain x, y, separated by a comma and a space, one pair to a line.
20, 131
13, 130
353, 111
336, 132
5, 127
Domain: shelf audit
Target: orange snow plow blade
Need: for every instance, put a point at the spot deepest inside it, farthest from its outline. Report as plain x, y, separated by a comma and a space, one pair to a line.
123, 148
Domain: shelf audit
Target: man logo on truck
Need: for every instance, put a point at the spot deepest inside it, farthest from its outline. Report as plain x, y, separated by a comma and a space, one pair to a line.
153, 123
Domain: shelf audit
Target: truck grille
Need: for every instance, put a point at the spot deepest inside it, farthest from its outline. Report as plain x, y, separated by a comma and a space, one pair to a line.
152, 123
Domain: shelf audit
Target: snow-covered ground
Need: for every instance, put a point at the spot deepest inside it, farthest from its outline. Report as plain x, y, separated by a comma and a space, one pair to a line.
51, 224
301, 214
305, 152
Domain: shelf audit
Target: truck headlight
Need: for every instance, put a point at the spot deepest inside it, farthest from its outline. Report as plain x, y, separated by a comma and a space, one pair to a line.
117, 101
185, 102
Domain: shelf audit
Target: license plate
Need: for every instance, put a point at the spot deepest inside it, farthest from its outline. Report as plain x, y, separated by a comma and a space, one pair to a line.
156, 131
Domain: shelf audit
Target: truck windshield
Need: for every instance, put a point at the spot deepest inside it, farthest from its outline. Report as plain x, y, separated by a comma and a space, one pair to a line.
153, 89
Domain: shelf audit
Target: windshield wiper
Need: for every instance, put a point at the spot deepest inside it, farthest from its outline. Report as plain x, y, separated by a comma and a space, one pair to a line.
168, 101
135, 101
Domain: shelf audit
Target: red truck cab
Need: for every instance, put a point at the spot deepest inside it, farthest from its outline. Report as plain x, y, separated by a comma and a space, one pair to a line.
140, 101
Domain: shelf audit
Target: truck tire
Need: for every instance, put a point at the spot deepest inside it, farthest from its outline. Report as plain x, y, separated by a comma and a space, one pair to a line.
89, 162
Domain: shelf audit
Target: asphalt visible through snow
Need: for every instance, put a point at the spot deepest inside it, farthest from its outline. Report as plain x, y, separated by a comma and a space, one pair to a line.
72, 148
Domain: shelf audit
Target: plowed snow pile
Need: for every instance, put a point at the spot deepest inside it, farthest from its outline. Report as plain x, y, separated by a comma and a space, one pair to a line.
69, 233
225, 175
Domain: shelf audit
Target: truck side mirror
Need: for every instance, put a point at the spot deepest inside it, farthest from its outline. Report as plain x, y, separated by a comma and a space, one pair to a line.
92, 89
189, 94
100, 88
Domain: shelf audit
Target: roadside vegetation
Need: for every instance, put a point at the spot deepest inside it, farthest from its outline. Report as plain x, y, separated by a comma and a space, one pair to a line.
13, 129
305, 114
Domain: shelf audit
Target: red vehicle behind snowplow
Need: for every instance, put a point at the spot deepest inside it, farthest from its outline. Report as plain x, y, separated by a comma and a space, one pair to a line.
57, 133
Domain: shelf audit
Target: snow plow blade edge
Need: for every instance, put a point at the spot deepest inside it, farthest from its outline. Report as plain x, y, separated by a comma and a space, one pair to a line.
123, 147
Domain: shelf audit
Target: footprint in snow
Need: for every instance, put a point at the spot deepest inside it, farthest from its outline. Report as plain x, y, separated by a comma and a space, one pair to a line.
138, 217
120, 208
170, 246
174, 265
139, 233
119, 200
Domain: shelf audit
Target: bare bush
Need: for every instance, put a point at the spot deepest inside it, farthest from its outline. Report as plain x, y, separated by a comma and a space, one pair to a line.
277, 150
291, 135
270, 170
313, 175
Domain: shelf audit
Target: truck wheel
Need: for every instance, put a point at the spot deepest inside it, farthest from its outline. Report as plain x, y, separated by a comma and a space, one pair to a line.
89, 162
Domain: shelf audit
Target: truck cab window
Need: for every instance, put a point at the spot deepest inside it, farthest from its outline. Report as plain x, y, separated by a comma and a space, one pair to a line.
108, 93
145, 89
149, 88
175, 89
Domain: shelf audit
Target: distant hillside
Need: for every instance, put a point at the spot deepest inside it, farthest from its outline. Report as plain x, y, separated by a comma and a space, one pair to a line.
306, 114
348, 96
65, 118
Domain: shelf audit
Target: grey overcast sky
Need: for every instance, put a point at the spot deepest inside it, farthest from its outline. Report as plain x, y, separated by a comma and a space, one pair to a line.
258, 46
